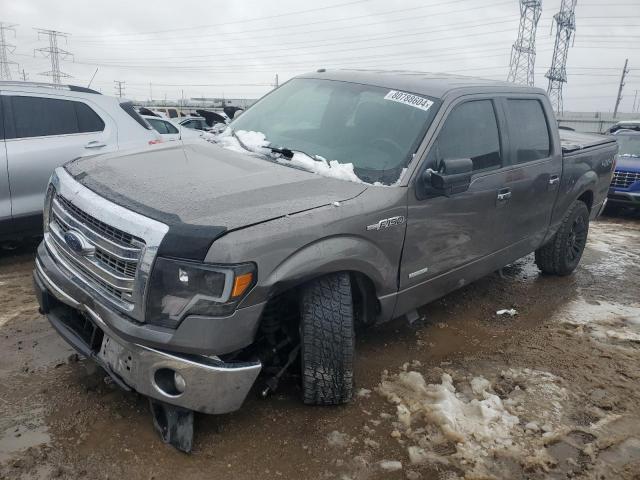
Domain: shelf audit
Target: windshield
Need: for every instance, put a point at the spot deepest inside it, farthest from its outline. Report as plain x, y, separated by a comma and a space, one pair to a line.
376, 129
628, 145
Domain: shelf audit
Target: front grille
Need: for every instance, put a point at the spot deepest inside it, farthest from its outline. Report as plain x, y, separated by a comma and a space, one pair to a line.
120, 266
107, 230
622, 179
110, 262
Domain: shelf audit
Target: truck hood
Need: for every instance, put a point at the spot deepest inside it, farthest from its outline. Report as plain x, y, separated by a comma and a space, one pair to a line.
201, 189
628, 163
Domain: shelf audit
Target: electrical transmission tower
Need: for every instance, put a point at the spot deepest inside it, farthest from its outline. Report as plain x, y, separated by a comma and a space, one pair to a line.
5, 48
119, 85
523, 52
565, 26
54, 53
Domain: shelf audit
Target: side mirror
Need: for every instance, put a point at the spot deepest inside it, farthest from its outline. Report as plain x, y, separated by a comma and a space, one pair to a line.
454, 177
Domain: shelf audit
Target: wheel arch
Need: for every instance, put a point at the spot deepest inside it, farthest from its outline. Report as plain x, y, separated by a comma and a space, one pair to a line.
372, 273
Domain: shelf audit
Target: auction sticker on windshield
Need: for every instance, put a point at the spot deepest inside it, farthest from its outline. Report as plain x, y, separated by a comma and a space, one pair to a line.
409, 99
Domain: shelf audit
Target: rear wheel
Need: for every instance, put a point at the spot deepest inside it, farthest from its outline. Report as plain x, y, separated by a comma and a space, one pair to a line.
328, 340
562, 254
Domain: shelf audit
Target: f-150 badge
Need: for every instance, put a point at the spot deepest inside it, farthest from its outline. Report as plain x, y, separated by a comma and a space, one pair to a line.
386, 223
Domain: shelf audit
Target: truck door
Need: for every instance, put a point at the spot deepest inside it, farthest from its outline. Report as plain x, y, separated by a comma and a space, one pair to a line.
533, 177
5, 193
447, 236
44, 134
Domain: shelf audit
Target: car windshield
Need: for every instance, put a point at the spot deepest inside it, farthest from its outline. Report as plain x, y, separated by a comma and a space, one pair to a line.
375, 129
629, 145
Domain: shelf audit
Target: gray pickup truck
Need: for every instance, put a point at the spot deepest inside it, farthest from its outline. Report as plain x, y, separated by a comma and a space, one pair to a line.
341, 199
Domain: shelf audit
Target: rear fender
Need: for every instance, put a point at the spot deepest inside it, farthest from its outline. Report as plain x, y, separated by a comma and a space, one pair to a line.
587, 182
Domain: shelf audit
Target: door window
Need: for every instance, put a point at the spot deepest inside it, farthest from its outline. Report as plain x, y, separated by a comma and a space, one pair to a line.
159, 125
530, 133
88, 120
39, 117
470, 131
170, 128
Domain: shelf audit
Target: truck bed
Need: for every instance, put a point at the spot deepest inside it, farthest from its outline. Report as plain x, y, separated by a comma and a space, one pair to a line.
575, 142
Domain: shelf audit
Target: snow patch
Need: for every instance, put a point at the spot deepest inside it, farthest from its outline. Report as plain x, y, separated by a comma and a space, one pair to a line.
256, 142
390, 465
604, 321
472, 423
338, 439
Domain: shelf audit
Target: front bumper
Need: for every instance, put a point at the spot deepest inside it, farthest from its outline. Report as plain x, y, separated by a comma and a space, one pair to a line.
621, 197
210, 385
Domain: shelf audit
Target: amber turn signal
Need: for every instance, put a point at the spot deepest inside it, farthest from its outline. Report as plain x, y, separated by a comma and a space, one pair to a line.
241, 283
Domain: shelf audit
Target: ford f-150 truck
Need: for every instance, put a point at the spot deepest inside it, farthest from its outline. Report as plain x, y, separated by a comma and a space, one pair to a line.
341, 199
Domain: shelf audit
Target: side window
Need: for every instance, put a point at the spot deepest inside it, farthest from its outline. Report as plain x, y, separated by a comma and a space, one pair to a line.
170, 128
37, 116
470, 131
530, 137
158, 125
88, 120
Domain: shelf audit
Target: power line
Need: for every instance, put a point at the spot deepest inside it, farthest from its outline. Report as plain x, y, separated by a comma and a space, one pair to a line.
5, 49
565, 21
305, 25
523, 52
54, 53
234, 22
363, 38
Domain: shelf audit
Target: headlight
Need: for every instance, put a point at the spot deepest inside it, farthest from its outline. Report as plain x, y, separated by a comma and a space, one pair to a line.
179, 288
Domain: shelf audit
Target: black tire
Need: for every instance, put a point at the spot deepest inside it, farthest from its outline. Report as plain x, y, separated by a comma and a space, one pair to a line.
328, 340
562, 254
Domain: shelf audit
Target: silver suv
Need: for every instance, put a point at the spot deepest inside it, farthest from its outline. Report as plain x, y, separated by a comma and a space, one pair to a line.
43, 126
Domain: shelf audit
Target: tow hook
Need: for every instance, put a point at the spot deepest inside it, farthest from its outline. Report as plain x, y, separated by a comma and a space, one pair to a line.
174, 424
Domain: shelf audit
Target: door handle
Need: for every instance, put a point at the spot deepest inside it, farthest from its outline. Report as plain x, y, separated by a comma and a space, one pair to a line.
95, 144
504, 195
554, 180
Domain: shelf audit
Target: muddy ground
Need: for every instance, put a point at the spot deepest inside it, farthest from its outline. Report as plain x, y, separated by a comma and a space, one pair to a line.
552, 392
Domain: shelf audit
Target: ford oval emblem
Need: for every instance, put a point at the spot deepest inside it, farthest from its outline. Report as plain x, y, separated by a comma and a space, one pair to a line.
77, 243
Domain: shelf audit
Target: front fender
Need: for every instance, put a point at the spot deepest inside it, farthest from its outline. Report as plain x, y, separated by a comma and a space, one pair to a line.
333, 254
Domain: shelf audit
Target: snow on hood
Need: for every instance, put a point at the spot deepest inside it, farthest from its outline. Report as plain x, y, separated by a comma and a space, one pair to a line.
257, 141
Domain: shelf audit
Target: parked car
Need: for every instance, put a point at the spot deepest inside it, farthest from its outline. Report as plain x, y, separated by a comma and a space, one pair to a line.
169, 131
43, 126
194, 123
267, 249
625, 186
625, 125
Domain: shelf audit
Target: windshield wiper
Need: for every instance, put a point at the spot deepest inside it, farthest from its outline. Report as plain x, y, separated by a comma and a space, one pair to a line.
285, 152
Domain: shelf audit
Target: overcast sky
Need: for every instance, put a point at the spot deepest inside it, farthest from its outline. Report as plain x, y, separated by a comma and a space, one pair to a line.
235, 48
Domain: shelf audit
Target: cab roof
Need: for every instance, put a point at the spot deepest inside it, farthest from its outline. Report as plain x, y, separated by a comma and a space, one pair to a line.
431, 84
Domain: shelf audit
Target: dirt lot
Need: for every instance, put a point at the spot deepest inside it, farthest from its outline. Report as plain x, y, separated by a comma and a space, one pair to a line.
552, 392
